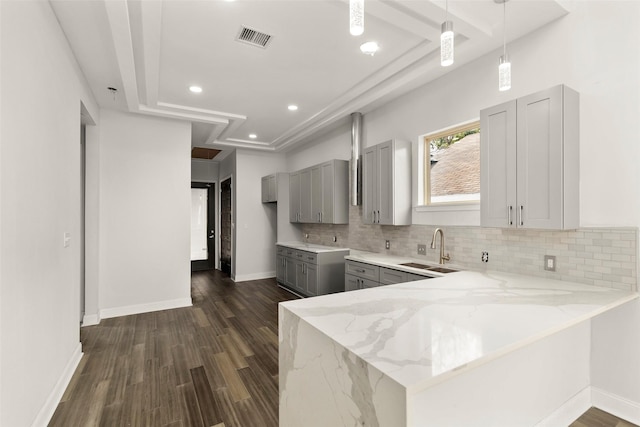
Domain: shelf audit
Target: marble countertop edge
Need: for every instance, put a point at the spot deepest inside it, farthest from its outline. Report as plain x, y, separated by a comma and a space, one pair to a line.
514, 285
433, 381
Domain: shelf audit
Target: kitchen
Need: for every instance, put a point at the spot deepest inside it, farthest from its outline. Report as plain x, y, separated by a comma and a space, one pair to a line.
581, 50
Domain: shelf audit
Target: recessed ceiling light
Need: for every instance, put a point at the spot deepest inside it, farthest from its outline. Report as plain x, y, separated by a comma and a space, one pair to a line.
253, 136
292, 107
369, 48
195, 89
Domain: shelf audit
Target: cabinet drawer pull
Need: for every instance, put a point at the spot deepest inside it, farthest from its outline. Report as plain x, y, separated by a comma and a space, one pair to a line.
299, 255
310, 258
361, 270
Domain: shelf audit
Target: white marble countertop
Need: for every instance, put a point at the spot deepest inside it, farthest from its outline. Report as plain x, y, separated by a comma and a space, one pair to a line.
422, 333
395, 262
310, 247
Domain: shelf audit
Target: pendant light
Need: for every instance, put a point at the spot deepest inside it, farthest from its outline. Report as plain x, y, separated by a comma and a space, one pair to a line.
504, 65
446, 39
356, 17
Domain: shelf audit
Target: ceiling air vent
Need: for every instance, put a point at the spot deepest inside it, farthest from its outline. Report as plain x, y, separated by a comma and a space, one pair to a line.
253, 37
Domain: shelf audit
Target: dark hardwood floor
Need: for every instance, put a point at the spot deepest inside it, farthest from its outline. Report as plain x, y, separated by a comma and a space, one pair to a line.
595, 417
212, 364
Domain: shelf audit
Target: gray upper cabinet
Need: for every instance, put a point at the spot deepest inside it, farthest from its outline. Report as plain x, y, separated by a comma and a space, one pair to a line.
306, 188
530, 161
294, 197
386, 183
322, 191
269, 188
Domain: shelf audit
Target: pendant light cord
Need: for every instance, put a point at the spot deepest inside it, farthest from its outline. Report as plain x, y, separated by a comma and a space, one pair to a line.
446, 10
504, 28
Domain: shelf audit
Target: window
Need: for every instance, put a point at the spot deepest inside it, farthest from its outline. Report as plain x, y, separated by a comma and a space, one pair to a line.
452, 165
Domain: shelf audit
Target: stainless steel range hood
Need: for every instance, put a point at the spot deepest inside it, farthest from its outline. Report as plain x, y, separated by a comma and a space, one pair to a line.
356, 146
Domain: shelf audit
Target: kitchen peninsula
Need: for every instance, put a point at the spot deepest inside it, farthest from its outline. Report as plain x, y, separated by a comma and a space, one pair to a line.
465, 349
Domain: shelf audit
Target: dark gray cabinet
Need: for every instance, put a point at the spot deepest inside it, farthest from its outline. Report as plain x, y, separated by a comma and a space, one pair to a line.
310, 273
360, 275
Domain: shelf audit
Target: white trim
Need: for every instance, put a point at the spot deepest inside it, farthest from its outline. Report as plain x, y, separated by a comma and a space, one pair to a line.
90, 320
449, 207
144, 308
619, 406
47, 410
570, 411
255, 276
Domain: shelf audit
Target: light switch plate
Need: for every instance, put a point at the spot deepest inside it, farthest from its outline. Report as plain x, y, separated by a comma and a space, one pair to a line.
550, 262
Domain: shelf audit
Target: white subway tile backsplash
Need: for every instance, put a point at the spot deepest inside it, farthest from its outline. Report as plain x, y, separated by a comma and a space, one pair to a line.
597, 256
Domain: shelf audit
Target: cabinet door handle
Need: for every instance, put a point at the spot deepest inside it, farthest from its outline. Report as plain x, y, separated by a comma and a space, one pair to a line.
374, 217
521, 209
378, 217
509, 209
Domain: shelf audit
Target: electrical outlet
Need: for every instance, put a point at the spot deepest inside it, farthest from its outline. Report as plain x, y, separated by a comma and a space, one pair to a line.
485, 256
550, 262
387, 244
422, 249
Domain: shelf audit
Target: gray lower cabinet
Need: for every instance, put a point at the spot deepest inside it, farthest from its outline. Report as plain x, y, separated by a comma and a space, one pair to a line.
310, 273
352, 283
360, 275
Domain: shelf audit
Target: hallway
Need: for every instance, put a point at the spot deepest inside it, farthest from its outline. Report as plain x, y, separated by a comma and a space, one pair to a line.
213, 363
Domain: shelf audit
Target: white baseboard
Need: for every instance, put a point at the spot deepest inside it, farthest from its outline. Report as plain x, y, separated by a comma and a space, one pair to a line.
46, 412
619, 406
569, 411
254, 276
90, 320
145, 308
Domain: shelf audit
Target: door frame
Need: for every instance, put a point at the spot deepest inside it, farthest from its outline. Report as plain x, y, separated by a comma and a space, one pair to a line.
233, 228
210, 263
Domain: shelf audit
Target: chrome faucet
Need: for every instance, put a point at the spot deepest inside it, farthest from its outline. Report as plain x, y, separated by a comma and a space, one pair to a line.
443, 257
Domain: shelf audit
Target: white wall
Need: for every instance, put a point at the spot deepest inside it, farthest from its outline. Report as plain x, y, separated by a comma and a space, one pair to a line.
332, 145
615, 361
204, 170
144, 241
255, 221
585, 50
42, 89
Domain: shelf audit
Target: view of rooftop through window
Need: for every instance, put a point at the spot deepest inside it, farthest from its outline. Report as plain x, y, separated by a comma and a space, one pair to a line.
452, 165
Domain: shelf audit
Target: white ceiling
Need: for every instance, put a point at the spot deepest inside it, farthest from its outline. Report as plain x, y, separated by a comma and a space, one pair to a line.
153, 50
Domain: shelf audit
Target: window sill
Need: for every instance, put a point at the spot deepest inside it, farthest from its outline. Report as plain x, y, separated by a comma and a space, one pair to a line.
453, 207
455, 214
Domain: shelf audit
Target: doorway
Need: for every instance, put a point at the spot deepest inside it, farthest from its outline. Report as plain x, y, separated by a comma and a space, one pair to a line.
83, 216
203, 226
226, 225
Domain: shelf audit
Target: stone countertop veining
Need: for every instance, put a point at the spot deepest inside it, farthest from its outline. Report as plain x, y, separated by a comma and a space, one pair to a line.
395, 262
310, 247
422, 333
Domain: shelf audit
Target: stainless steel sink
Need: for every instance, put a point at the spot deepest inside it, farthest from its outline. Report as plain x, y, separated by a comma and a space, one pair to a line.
429, 267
